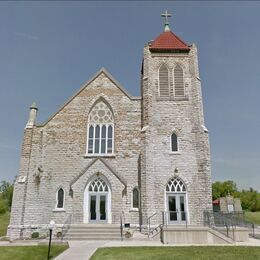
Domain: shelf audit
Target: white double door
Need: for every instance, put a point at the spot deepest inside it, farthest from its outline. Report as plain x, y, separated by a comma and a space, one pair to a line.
98, 207
176, 208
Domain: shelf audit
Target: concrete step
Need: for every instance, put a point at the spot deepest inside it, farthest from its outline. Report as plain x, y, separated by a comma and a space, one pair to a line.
93, 232
92, 238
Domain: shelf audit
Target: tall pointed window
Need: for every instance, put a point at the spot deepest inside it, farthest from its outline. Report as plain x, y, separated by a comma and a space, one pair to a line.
136, 198
100, 130
164, 86
174, 143
60, 199
178, 81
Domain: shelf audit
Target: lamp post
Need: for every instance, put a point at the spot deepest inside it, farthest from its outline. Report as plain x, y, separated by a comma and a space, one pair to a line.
51, 227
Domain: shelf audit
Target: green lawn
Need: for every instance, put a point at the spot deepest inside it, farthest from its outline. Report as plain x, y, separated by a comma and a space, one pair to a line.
29, 252
4, 222
253, 217
178, 253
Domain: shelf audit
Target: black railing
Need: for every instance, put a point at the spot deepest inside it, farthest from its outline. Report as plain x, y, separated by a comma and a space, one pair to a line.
227, 222
174, 217
168, 217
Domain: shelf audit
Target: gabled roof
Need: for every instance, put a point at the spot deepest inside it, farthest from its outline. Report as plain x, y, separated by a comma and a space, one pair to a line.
85, 85
119, 177
168, 41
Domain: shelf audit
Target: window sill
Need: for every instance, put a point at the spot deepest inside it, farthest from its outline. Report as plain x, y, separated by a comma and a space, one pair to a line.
59, 210
99, 155
134, 210
181, 98
172, 153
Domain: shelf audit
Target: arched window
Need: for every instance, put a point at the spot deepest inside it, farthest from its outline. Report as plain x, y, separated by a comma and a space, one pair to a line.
136, 198
174, 143
98, 185
100, 130
178, 81
175, 185
164, 86
60, 199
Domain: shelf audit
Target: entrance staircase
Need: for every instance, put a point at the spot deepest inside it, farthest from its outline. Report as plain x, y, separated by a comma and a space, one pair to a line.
93, 232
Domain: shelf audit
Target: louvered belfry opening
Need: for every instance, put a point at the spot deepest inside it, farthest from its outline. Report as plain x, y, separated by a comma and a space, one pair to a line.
178, 81
164, 88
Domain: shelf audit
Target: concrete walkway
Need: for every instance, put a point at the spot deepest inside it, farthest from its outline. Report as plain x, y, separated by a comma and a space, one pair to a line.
83, 250
80, 250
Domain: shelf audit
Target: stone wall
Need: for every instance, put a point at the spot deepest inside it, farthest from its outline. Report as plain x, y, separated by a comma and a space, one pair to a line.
184, 116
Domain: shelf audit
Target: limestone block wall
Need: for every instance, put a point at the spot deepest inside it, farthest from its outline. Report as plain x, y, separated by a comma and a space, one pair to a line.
57, 156
184, 116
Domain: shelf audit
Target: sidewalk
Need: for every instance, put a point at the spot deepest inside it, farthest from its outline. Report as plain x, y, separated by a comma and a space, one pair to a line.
83, 250
80, 250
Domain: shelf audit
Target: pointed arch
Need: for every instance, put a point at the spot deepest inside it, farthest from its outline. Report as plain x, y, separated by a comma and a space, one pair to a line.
100, 129
176, 184
60, 198
135, 198
164, 83
174, 142
97, 199
178, 81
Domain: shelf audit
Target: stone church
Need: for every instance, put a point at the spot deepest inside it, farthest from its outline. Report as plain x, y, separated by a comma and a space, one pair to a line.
107, 155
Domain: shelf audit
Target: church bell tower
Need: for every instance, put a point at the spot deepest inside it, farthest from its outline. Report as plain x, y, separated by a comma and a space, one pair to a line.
174, 136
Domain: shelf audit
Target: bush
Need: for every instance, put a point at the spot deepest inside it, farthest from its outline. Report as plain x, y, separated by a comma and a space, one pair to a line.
2, 206
35, 235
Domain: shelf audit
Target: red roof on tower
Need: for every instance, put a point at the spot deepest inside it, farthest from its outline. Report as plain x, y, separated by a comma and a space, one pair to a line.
168, 41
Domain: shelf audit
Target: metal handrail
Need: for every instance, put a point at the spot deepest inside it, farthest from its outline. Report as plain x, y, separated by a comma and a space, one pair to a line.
121, 224
165, 220
149, 223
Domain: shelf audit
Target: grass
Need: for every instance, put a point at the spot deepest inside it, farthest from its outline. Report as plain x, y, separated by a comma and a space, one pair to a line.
178, 253
4, 222
253, 217
30, 252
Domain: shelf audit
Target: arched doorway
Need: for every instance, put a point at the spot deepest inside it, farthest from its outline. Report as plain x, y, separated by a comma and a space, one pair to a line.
97, 201
176, 202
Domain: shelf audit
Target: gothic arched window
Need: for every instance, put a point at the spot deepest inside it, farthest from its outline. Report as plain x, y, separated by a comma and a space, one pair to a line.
164, 86
178, 81
100, 130
174, 143
136, 198
60, 199
175, 185
98, 185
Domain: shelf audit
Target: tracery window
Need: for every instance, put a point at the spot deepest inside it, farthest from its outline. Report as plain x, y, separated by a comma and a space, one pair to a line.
174, 143
164, 86
178, 81
98, 185
175, 185
136, 198
100, 130
60, 199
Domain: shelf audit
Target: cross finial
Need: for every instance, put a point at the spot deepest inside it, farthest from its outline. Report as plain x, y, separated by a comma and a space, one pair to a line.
166, 23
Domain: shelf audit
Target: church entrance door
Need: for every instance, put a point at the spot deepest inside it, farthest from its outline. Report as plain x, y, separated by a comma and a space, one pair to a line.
176, 208
98, 207
176, 201
97, 200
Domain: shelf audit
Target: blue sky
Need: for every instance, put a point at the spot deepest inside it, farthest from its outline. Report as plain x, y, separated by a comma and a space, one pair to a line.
49, 49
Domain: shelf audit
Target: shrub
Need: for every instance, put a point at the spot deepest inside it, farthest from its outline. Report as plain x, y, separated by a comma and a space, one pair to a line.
35, 235
2, 206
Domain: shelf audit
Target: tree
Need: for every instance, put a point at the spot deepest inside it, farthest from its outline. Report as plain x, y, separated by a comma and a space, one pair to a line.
222, 189
6, 193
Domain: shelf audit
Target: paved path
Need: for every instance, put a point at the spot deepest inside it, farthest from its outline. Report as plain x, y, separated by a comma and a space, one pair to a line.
83, 250
80, 250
